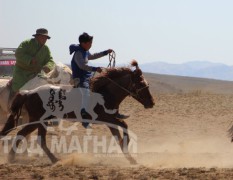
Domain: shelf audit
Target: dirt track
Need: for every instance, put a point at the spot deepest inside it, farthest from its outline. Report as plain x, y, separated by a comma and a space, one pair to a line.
183, 137
103, 172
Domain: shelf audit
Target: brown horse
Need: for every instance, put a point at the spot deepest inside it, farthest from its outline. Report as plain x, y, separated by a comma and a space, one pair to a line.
114, 85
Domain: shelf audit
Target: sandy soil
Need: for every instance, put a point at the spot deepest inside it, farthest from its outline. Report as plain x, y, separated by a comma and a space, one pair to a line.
183, 137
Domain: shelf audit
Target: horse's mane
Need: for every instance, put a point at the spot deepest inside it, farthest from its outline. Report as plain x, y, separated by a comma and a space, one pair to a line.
101, 80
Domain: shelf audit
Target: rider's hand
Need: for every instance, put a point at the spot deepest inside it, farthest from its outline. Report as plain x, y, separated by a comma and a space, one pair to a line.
46, 69
109, 51
33, 61
99, 69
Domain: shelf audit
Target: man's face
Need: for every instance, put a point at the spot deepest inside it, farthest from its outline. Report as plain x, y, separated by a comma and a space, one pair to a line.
86, 45
41, 39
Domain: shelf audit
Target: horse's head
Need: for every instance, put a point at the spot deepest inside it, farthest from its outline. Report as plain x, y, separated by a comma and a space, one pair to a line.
139, 87
122, 82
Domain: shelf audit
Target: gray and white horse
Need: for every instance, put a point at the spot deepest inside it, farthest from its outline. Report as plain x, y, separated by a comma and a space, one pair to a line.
61, 74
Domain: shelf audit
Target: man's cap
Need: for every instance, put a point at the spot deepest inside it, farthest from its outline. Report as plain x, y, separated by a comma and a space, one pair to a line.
84, 37
42, 31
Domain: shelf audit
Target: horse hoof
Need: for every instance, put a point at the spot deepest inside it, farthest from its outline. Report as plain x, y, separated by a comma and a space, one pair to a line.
54, 161
131, 160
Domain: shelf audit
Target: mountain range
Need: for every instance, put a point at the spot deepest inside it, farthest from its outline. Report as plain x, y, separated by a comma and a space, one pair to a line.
202, 69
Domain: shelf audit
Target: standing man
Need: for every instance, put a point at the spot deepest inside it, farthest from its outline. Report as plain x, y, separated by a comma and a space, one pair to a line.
32, 56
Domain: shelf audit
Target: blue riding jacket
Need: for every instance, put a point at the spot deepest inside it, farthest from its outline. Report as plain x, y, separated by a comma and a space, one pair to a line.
79, 62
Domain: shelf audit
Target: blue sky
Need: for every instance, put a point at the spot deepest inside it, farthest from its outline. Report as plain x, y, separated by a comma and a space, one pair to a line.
173, 31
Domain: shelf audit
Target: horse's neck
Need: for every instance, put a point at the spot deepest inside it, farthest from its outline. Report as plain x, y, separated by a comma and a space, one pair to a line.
119, 91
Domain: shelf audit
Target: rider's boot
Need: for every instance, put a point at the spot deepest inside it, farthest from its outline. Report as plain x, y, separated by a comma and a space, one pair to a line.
85, 115
121, 116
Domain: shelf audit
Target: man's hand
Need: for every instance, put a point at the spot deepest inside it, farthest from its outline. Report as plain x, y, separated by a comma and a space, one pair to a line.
33, 61
46, 69
99, 69
109, 51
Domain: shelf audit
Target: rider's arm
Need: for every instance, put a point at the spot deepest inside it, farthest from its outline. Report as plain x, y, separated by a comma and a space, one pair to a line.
82, 61
97, 55
49, 60
23, 58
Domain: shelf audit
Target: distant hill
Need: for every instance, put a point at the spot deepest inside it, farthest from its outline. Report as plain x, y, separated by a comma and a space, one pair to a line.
180, 84
201, 69
162, 83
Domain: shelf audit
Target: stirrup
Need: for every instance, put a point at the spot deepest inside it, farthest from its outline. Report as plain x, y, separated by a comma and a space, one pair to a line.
121, 116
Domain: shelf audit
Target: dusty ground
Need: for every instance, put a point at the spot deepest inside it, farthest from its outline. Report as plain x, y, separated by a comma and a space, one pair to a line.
183, 137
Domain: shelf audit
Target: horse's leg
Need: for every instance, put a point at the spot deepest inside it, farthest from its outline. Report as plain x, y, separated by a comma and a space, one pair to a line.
126, 138
116, 133
122, 141
42, 142
10, 124
23, 133
45, 121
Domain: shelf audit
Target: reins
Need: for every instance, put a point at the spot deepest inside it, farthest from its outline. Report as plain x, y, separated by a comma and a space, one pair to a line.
138, 90
112, 59
112, 63
128, 91
118, 85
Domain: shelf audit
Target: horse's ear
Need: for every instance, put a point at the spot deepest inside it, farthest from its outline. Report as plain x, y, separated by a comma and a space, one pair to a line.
134, 63
137, 71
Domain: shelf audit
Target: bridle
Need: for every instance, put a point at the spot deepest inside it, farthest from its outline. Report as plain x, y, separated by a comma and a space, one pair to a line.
138, 90
112, 62
132, 85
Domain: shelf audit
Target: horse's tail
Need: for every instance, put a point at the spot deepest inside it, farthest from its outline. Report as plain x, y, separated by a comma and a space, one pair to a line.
12, 120
109, 111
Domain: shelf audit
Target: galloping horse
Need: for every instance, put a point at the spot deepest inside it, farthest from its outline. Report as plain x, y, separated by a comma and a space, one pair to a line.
61, 74
114, 85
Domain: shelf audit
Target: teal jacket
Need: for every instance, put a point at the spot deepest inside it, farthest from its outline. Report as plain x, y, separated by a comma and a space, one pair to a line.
24, 70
